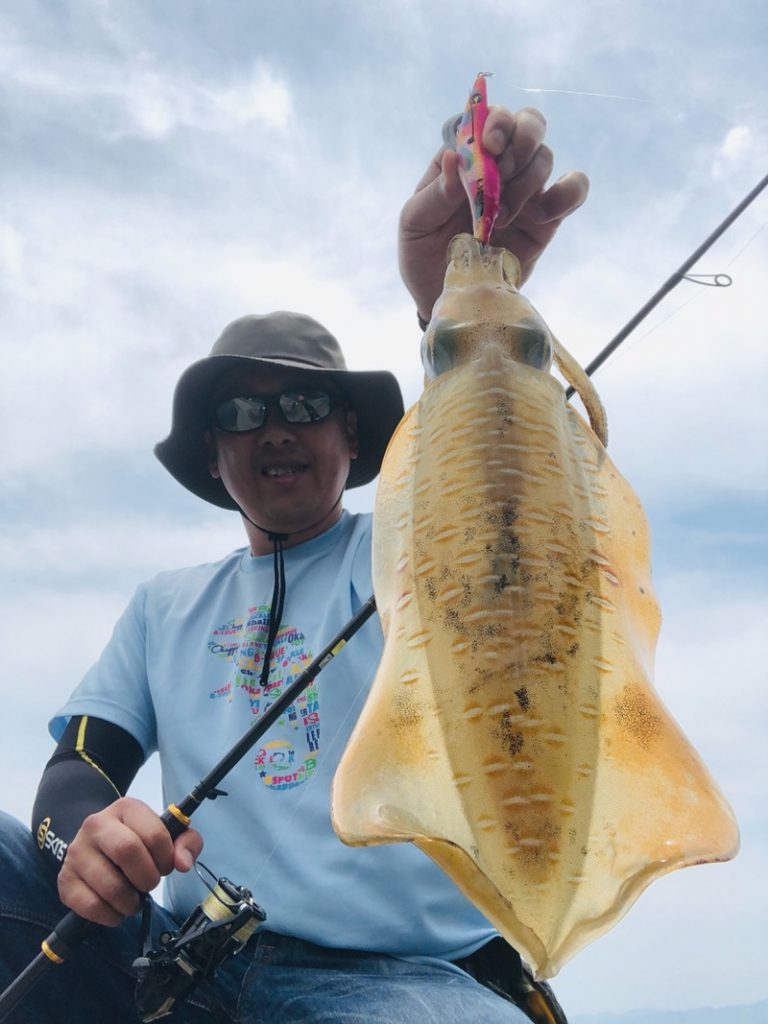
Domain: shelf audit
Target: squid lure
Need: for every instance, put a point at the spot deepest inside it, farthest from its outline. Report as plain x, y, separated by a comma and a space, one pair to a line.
478, 170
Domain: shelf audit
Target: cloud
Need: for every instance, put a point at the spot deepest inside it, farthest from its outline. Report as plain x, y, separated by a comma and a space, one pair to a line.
107, 293
158, 105
134, 93
709, 618
743, 145
11, 251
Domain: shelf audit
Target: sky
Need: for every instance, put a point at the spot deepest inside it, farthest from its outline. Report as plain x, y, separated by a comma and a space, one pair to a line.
169, 166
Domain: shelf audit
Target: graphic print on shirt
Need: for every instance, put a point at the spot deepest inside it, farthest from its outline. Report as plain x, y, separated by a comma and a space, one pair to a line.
278, 762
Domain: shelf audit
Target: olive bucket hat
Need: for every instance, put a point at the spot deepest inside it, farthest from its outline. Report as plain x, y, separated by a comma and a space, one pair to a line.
276, 339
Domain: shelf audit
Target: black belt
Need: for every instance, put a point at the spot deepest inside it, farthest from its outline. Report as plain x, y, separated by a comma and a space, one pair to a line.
500, 968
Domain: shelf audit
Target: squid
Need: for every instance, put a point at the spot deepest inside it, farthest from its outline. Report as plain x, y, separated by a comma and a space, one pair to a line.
512, 731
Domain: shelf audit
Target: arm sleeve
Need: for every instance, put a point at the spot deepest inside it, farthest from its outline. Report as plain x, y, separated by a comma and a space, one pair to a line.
93, 764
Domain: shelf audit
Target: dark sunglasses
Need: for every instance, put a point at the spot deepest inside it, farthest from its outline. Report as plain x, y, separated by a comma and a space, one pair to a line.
249, 412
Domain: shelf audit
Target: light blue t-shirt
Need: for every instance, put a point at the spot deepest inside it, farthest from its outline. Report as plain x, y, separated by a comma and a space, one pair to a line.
181, 673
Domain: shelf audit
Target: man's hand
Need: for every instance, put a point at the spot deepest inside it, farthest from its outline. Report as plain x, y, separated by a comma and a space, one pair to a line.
530, 213
118, 853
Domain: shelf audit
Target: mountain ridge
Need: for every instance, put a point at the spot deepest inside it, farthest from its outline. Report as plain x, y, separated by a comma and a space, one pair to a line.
752, 1013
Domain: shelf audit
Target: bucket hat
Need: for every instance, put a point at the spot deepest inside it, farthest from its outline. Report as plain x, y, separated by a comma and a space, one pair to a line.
276, 339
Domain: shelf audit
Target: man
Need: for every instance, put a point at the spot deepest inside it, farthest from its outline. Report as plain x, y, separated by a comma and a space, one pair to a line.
271, 424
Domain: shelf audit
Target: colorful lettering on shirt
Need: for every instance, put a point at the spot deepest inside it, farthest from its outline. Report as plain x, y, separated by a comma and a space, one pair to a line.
243, 643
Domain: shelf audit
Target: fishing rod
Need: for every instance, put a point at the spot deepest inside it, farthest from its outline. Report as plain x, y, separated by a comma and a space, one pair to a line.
672, 281
72, 929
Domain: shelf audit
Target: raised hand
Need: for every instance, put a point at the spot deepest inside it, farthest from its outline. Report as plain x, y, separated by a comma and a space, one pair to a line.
530, 212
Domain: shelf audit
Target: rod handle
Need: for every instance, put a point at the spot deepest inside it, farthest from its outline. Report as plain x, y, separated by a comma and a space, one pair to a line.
68, 933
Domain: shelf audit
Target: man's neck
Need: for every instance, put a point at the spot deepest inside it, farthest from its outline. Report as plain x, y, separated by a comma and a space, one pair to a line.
261, 544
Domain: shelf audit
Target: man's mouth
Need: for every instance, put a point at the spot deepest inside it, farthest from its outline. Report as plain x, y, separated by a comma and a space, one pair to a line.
284, 470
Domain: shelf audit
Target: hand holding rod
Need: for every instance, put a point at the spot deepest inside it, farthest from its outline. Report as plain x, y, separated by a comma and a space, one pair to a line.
72, 929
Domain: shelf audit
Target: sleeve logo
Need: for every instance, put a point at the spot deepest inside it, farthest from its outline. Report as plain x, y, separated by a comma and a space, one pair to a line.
48, 841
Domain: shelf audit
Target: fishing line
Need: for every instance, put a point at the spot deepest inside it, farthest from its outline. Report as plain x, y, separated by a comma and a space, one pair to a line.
671, 282
576, 92
747, 244
701, 279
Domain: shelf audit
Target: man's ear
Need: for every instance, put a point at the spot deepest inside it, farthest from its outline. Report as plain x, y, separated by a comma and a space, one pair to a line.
351, 429
210, 450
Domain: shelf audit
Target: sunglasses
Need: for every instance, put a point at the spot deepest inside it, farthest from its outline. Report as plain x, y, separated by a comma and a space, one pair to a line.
249, 412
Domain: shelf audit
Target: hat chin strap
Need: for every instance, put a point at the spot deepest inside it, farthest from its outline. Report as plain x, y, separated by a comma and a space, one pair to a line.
273, 535
278, 589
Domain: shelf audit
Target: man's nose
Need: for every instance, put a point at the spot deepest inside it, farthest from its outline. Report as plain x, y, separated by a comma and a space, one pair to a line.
275, 429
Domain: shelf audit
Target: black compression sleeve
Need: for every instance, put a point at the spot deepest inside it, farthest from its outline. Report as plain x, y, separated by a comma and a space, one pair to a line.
93, 764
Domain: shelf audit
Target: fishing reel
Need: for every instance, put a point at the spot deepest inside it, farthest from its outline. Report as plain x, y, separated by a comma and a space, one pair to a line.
216, 929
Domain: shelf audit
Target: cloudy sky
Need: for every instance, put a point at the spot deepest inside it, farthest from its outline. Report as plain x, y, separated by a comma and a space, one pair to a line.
169, 166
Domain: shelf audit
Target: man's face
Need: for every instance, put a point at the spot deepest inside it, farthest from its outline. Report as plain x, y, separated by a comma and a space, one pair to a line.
288, 477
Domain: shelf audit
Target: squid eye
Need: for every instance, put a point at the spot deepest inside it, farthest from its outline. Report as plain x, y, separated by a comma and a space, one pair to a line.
535, 342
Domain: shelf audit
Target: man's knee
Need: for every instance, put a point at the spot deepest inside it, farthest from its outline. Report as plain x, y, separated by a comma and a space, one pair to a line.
29, 906
29, 911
